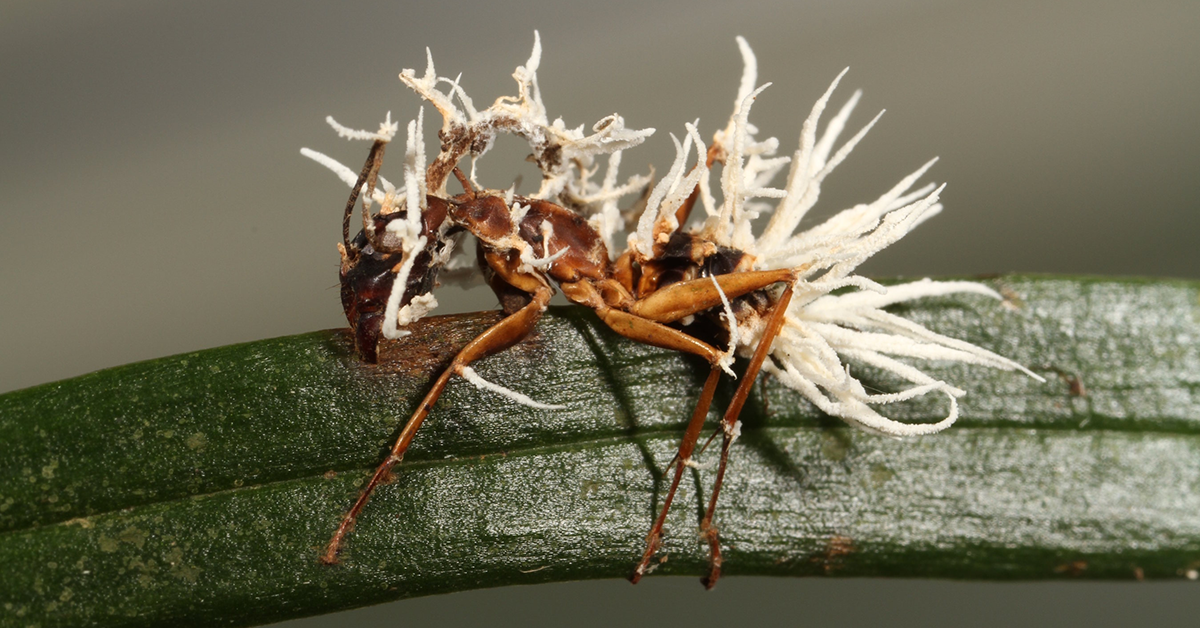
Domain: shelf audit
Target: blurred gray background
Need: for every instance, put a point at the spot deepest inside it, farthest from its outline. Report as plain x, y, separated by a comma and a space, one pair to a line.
153, 199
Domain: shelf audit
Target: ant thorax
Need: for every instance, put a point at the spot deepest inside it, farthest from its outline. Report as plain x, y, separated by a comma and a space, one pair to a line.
534, 235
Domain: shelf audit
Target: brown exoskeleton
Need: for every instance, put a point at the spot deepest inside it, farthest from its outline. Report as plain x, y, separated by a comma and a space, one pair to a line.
787, 299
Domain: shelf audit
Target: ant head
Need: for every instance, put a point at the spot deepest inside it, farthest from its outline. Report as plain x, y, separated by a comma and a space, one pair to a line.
389, 271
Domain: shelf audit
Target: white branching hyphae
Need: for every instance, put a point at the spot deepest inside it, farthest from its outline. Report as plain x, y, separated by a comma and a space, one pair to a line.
835, 317
822, 330
403, 234
565, 156
387, 131
470, 375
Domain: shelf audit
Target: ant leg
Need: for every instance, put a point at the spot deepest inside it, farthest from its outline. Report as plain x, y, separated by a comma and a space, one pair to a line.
675, 302
681, 459
498, 337
728, 424
656, 334
659, 335
681, 299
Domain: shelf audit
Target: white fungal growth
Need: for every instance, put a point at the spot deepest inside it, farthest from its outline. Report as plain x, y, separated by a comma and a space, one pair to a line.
822, 330
733, 430
387, 130
408, 232
835, 317
564, 155
529, 261
670, 193
404, 234
348, 176
602, 202
726, 362
418, 308
470, 375
414, 174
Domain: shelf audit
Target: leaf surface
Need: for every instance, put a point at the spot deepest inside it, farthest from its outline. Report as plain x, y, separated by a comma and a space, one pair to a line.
199, 488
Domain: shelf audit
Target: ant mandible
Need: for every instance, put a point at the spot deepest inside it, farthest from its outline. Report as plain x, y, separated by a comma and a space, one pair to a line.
651, 292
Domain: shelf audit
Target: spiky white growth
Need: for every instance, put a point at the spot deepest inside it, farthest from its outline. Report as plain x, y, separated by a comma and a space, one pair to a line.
404, 234
531, 261
726, 362
420, 306
470, 375
564, 155
547, 258
823, 331
387, 130
407, 232
669, 194
602, 201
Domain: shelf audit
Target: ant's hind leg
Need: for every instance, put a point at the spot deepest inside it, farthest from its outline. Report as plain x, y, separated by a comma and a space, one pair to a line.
729, 426
498, 337
678, 300
649, 332
686, 446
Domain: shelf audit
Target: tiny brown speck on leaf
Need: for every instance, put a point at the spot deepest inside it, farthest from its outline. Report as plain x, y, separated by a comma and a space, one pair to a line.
1073, 568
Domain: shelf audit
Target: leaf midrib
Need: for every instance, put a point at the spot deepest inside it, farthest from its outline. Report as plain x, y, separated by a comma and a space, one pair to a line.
636, 436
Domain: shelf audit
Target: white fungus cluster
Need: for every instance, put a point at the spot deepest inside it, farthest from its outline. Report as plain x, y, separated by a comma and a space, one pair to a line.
821, 331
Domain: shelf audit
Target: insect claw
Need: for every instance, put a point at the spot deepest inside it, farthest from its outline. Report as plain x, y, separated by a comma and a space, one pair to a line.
709, 533
653, 543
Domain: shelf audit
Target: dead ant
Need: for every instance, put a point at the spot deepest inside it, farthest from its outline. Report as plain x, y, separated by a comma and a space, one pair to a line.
770, 294
637, 305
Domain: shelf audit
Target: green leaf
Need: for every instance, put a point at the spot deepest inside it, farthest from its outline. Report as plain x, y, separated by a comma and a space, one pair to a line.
200, 488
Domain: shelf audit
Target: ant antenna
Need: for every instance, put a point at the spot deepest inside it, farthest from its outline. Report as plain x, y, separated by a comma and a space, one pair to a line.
370, 169
466, 183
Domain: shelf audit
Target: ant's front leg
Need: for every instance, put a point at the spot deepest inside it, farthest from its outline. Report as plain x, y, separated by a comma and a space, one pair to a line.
509, 331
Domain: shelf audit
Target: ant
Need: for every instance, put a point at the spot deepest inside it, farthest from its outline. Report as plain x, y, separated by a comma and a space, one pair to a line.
578, 262
670, 288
